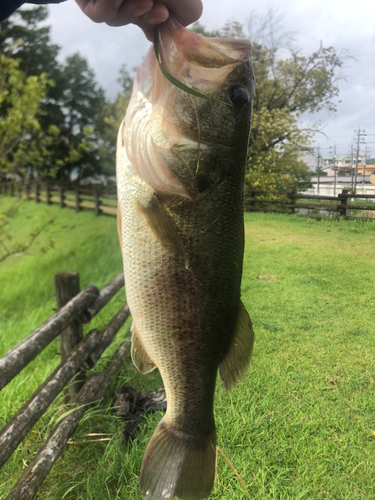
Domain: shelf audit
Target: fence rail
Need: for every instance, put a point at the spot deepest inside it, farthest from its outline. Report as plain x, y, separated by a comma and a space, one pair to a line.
105, 202
78, 354
287, 202
101, 201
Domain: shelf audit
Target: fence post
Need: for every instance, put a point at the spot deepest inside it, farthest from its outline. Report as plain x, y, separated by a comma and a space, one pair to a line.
27, 191
48, 195
37, 200
252, 202
292, 197
11, 188
78, 208
67, 287
62, 197
97, 203
343, 197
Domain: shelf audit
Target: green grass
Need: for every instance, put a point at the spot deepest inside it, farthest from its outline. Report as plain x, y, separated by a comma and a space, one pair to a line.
301, 425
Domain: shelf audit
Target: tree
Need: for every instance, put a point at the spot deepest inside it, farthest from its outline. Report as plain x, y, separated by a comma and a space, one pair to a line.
23, 143
72, 104
274, 158
286, 88
80, 101
109, 120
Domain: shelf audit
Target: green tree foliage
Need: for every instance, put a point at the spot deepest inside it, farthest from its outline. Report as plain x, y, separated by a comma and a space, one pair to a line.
72, 104
109, 120
288, 85
274, 158
80, 101
24, 145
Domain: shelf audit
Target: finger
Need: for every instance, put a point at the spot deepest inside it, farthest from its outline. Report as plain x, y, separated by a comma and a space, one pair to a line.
98, 10
185, 11
110, 10
149, 34
157, 14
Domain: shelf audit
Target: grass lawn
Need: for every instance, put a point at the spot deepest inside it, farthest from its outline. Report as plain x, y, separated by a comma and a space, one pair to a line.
301, 425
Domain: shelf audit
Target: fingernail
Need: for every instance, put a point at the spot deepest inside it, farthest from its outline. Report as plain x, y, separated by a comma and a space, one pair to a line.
154, 21
117, 3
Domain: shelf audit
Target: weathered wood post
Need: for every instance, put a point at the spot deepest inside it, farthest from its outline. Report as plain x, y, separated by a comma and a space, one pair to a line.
11, 188
78, 208
37, 199
251, 203
292, 195
27, 191
67, 287
62, 197
343, 197
48, 195
97, 203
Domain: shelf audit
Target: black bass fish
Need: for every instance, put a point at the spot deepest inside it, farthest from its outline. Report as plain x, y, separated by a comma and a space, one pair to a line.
180, 177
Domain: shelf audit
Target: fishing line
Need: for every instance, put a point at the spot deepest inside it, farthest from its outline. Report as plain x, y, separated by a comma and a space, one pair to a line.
176, 82
199, 132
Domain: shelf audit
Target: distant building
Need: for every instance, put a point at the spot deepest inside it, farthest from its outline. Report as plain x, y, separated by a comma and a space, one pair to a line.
343, 164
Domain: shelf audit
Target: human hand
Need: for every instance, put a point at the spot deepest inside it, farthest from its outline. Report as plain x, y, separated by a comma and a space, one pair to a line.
146, 14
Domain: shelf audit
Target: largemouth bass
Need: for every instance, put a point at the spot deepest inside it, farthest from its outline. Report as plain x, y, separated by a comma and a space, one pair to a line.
180, 177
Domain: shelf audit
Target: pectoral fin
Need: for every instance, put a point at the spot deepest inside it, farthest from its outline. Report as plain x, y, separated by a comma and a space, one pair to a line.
140, 358
236, 362
163, 227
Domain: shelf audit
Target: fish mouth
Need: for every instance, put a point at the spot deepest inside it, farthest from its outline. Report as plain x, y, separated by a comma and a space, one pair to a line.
164, 124
199, 62
200, 50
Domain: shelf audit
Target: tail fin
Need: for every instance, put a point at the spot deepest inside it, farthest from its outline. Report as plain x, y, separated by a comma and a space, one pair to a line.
176, 464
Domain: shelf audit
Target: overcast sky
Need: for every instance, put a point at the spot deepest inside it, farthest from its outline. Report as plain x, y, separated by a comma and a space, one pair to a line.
342, 24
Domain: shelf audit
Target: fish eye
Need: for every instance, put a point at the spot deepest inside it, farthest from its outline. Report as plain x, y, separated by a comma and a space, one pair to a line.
239, 96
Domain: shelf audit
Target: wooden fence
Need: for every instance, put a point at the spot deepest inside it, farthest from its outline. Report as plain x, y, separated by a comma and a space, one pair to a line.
101, 201
345, 204
78, 354
287, 202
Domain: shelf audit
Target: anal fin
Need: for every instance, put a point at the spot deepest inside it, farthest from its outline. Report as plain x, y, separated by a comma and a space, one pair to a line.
163, 228
234, 366
140, 358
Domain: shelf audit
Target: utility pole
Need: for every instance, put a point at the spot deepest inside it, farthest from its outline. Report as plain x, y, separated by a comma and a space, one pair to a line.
334, 170
360, 133
364, 168
318, 170
351, 164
